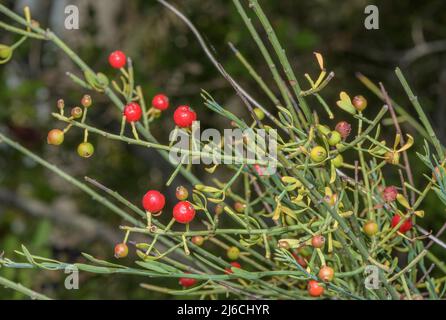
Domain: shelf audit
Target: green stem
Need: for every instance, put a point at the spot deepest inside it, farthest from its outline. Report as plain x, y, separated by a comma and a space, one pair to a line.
280, 52
421, 114
20, 288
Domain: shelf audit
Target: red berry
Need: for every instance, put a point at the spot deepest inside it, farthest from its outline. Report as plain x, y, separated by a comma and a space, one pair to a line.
184, 116
326, 273
121, 250
315, 289
234, 264
153, 201
318, 241
187, 282
132, 112
390, 193
406, 226
117, 59
259, 169
183, 212
344, 128
160, 102
300, 260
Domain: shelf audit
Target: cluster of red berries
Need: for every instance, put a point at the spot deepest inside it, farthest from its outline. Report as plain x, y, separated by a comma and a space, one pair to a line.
405, 226
154, 201
183, 116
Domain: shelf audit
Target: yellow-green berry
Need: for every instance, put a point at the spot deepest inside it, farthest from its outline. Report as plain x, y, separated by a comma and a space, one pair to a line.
334, 138
233, 253
338, 161
370, 228
259, 113
318, 154
85, 150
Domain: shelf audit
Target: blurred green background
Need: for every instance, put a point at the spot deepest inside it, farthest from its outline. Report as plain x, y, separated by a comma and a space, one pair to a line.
54, 219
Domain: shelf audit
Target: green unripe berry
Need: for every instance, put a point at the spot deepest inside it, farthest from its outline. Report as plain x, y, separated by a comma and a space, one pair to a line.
259, 113
359, 102
55, 137
334, 138
5, 53
76, 112
318, 154
85, 150
338, 161
233, 253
